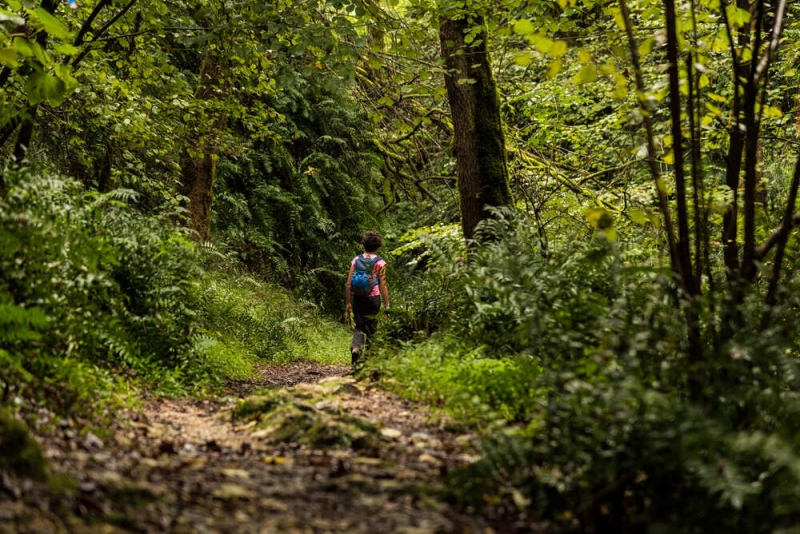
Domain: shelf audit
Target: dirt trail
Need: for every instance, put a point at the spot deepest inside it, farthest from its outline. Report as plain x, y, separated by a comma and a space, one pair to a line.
183, 466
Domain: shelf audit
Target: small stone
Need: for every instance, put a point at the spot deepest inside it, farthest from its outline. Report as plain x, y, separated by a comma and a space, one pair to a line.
88, 486
427, 458
391, 433
235, 473
231, 491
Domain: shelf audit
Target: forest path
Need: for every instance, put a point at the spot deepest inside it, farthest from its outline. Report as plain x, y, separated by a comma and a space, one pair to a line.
187, 466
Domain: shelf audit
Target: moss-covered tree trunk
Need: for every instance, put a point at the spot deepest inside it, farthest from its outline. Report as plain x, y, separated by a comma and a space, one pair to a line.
478, 140
200, 153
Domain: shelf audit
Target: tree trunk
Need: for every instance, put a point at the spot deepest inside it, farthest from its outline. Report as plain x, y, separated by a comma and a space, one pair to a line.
199, 158
478, 141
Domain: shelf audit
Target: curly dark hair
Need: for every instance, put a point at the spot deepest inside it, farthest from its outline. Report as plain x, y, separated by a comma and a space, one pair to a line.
372, 241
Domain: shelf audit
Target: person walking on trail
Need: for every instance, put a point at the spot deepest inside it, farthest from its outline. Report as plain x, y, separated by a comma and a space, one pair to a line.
366, 285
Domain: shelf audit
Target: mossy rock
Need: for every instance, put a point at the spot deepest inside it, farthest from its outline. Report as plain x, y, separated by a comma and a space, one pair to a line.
19, 452
309, 414
295, 421
342, 432
255, 406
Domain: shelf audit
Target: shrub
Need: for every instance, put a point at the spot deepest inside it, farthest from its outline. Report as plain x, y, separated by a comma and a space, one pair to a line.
614, 440
87, 284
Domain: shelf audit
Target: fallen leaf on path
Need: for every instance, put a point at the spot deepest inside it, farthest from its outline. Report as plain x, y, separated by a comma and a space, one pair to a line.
391, 433
232, 491
427, 458
235, 473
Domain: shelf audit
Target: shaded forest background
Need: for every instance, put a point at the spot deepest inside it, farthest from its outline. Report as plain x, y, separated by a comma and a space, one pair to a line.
588, 210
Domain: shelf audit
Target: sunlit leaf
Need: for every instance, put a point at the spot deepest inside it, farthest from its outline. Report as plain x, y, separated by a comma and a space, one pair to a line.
713, 109
543, 44
50, 24
8, 57
66, 49
587, 74
638, 216
554, 68
559, 48
600, 218
523, 27
645, 47
607, 69
524, 59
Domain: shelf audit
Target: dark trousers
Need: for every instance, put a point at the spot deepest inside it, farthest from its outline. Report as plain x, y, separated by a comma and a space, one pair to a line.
365, 315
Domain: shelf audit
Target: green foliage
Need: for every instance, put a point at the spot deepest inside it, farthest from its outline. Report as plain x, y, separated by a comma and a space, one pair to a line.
243, 321
19, 452
447, 372
587, 348
88, 285
296, 204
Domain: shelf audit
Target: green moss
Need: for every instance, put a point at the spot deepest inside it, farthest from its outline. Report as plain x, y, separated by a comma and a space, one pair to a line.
308, 414
19, 452
257, 405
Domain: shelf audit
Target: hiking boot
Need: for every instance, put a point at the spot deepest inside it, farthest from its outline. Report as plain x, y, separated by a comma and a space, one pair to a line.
355, 352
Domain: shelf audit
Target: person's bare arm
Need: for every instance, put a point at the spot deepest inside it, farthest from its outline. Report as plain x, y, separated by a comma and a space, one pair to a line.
383, 287
347, 305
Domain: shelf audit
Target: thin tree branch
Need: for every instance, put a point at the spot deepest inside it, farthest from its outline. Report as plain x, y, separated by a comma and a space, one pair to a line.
651, 150
776, 235
102, 30
684, 237
87, 24
783, 237
769, 53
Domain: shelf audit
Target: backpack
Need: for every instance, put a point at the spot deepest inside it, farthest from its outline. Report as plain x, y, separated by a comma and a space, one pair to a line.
364, 278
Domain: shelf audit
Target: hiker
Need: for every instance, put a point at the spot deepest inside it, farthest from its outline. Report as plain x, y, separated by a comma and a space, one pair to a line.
366, 284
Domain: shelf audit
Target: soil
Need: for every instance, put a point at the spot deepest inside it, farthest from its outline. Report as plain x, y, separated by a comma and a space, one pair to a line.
187, 466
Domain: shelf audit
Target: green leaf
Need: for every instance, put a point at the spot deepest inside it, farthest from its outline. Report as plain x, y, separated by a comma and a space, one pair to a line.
607, 69
736, 16
51, 25
55, 91
543, 44
638, 216
66, 49
34, 87
524, 59
523, 27
554, 68
713, 109
587, 74
559, 48
8, 57
599, 218
646, 46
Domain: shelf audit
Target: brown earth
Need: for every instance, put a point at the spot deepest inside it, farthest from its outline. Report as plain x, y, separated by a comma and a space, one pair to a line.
187, 466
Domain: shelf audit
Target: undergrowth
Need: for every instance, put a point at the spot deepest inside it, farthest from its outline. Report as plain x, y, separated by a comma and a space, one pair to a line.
580, 359
98, 300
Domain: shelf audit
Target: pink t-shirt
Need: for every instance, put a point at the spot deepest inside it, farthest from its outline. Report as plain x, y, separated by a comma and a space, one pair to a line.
379, 265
